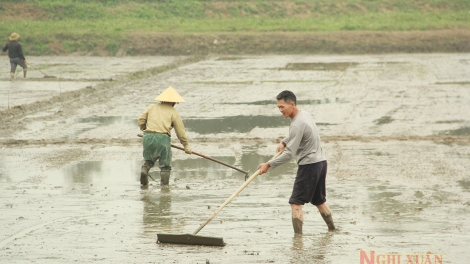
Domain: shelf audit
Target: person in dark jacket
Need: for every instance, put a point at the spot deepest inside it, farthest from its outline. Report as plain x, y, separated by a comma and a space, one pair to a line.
15, 52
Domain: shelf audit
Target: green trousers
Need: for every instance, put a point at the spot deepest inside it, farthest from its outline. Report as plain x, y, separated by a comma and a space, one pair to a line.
157, 147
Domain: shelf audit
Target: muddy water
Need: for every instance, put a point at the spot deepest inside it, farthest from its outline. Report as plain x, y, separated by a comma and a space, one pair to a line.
50, 76
394, 127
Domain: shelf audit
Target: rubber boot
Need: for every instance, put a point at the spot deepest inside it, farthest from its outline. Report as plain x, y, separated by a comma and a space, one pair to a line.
164, 177
144, 173
329, 221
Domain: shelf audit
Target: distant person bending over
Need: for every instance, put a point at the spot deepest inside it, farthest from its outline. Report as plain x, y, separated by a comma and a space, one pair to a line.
15, 53
156, 122
304, 144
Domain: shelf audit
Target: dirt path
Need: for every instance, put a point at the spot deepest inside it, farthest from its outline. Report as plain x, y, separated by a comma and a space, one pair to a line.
395, 129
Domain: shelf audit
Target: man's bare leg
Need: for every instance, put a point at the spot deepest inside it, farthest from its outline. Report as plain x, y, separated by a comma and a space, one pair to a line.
24, 73
297, 218
12, 75
326, 214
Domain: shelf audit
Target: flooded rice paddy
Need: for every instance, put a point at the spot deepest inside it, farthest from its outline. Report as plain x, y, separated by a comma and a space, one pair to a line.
395, 128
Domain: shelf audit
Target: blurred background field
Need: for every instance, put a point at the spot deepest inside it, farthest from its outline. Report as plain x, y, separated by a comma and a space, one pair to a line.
174, 27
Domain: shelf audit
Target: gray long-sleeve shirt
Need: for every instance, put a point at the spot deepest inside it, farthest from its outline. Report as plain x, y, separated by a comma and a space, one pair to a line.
303, 142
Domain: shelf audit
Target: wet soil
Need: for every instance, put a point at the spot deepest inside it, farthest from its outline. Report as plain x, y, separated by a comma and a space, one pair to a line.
395, 129
225, 44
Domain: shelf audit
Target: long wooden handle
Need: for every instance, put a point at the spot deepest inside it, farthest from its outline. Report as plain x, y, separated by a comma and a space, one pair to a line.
36, 68
252, 177
206, 157
212, 159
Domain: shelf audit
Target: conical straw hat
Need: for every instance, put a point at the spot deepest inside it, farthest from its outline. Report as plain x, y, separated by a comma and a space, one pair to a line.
14, 36
170, 95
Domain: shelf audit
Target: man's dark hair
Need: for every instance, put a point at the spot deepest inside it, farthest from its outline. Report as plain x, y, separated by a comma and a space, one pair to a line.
287, 96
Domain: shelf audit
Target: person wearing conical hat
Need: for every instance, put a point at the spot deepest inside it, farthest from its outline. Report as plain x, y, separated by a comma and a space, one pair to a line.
156, 122
15, 53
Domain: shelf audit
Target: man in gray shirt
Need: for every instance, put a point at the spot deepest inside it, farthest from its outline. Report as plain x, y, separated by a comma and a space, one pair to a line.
304, 144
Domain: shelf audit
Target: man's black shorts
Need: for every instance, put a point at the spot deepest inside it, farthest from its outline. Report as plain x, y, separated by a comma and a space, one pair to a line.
17, 61
309, 185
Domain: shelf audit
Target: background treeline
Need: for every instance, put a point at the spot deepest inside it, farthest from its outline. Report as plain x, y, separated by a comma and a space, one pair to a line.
123, 27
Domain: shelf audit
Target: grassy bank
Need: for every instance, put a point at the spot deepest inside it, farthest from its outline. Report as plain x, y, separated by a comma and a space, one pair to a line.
123, 27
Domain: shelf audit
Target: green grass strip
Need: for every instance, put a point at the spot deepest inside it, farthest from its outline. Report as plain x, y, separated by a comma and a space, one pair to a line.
354, 22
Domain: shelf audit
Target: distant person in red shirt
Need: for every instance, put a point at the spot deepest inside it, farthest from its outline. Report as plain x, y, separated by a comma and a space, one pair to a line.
15, 52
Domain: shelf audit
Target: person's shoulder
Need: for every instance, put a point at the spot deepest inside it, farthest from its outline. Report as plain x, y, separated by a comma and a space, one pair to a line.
304, 114
151, 106
175, 112
305, 119
307, 115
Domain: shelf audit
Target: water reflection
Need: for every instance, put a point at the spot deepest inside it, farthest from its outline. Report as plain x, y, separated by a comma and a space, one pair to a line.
84, 175
200, 167
236, 124
157, 210
383, 120
463, 131
388, 203
239, 124
299, 102
316, 251
93, 122
319, 66
297, 242
464, 183
83, 172
107, 120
